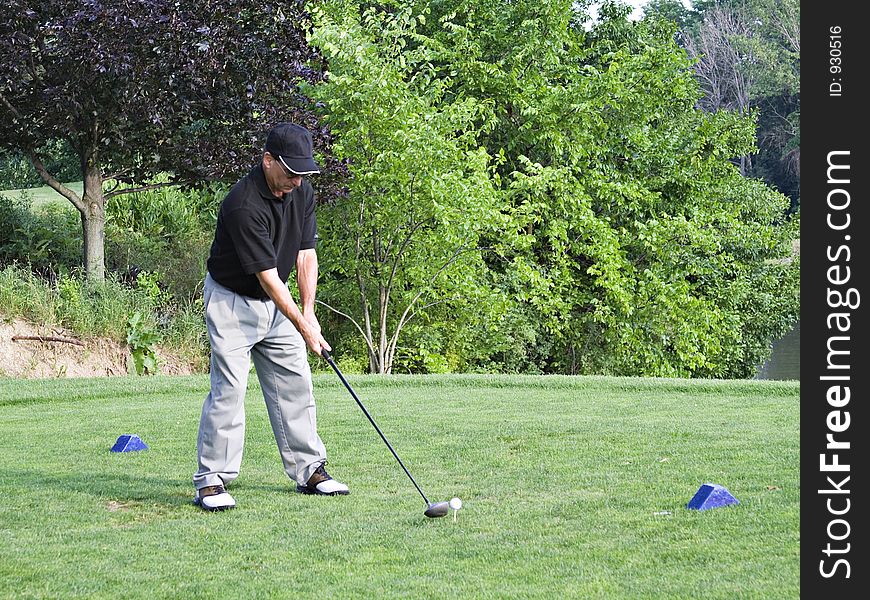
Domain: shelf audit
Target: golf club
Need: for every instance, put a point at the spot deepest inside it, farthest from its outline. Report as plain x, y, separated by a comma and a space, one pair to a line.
433, 509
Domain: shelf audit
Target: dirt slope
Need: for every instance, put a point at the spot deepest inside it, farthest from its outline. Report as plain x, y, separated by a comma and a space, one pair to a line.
53, 359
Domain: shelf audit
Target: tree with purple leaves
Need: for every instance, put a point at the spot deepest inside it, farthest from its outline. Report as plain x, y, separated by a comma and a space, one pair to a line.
140, 89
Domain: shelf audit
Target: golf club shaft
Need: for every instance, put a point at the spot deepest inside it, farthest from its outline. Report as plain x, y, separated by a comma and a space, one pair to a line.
371, 420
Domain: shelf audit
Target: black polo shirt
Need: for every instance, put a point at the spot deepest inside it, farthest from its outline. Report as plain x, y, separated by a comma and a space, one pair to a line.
257, 231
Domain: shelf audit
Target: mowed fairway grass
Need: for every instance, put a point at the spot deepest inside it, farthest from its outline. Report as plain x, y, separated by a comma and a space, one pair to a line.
572, 488
46, 195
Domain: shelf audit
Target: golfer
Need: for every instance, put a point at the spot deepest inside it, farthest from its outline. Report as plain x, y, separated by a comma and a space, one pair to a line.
265, 227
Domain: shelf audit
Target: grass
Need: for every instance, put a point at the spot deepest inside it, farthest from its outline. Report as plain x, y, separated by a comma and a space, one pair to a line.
90, 309
86, 308
46, 194
572, 488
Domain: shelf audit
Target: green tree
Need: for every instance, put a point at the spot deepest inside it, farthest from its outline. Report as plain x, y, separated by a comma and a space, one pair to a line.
747, 56
139, 88
671, 10
776, 45
404, 243
634, 239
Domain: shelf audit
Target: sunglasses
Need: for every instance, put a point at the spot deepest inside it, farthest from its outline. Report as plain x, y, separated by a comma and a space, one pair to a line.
290, 174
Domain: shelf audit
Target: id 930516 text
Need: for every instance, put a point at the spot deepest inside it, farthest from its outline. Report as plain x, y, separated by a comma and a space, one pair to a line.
835, 61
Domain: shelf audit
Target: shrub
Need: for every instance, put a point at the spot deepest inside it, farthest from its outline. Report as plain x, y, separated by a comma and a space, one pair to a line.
166, 213
185, 333
48, 238
101, 308
85, 307
142, 315
168, 230
16, 172
157, 245
141, 339
181, 264
14, 215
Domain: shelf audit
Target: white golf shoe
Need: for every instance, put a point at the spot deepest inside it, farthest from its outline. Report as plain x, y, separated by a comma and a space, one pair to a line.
213, 498
321, 484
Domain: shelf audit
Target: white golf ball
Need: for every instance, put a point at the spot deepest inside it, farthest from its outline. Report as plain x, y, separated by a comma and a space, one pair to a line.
455, 503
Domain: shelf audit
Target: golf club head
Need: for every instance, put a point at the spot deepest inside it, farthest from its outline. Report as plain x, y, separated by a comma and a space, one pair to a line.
437, 509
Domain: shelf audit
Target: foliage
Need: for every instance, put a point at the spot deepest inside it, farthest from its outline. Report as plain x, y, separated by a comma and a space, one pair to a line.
44, 237
675, 12
183, 331
16, 170
149, 284
405, 242
157, 260
635, 245
748, 58
110, 309
98, 309
141, 339
167, 213
14, 211
23, 294
168, 230
140, 88
530, 193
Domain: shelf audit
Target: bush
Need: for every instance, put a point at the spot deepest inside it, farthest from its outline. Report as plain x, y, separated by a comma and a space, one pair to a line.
102, 308
185, 333
166, 213
181, 264
157, 243
16, 172
14, 216
23, 294
168, 230
48, 238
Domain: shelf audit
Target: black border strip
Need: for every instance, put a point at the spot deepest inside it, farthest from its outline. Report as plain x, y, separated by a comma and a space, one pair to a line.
835, 227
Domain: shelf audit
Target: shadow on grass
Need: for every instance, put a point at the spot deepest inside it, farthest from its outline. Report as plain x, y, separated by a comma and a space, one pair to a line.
121, 487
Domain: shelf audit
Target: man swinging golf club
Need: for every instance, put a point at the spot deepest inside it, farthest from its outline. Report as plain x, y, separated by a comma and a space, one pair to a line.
265, 227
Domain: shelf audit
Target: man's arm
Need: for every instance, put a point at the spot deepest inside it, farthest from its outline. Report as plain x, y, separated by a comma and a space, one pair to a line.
280, 295
306, 279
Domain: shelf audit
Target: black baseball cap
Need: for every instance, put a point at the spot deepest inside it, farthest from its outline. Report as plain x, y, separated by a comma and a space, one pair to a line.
291, 144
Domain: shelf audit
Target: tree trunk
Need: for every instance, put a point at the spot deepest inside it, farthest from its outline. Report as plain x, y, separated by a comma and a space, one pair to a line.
367, 319
384, 368
91, 207
94, 224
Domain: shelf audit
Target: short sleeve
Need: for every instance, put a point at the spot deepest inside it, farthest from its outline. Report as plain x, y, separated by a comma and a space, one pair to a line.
252, 241
309, 226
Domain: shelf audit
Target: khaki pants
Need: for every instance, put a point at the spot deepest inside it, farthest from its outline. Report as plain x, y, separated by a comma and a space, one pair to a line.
239, 329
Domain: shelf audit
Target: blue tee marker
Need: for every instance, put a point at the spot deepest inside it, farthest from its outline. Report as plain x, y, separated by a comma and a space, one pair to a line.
129, 443
711, 495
